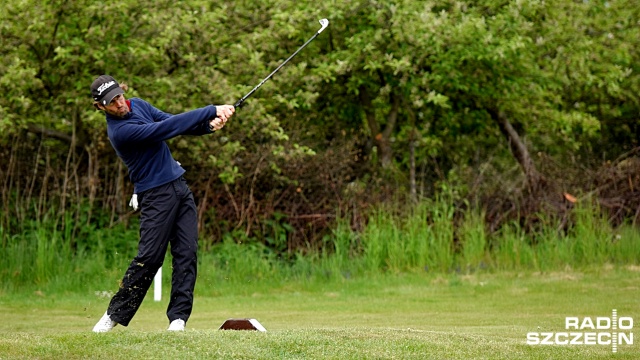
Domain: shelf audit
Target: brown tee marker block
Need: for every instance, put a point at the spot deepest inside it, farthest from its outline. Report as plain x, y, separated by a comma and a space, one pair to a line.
242, 324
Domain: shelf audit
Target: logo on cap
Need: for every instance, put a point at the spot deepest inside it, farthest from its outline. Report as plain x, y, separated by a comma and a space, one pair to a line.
105, 86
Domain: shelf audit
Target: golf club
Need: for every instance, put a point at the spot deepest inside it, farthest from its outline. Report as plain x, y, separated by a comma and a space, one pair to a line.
323, 22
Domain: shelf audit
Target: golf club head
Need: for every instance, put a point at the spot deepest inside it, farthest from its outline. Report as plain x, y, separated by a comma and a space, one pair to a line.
324, 23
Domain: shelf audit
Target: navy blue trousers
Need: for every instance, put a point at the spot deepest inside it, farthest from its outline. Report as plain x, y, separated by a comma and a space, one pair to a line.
168, 217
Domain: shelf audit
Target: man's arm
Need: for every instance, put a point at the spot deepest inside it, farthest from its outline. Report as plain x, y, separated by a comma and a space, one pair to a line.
186, 123
157, 115
223, 113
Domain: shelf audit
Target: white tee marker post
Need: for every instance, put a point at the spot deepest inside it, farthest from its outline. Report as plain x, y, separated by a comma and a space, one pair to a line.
157, 285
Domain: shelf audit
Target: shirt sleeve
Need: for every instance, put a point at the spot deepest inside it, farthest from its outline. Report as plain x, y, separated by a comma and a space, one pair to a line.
166, 126
158, 115
199, 129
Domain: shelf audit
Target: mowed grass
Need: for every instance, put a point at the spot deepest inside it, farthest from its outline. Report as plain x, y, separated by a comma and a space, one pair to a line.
392, 316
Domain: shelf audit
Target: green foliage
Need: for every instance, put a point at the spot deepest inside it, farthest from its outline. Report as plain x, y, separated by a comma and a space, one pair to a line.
427, 239
423, 239
384, 75
42, 256
561, 70
590, 241
473, 241
234, 262
513, 250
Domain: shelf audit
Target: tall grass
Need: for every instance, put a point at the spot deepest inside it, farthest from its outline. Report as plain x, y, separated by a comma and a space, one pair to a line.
421, 239
426, 238
591, 240
473, 252
43, 257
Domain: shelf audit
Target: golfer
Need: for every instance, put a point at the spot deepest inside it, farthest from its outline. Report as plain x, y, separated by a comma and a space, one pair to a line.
137, 132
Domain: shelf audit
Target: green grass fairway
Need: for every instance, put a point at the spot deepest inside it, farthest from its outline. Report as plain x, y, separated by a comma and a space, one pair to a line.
405, 316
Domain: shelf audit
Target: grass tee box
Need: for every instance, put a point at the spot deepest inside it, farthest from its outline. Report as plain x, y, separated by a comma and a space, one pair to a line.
407, 316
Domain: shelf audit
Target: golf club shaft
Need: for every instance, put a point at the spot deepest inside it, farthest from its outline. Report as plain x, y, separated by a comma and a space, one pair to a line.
324, 23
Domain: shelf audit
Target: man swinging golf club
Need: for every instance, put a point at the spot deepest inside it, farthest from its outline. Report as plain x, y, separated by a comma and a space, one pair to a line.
138, 132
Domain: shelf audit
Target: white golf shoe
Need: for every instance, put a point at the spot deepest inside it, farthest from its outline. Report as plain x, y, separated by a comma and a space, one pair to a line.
104, 324
176, 325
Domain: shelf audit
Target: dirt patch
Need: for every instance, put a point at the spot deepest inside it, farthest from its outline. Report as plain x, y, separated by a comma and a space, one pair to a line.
559, 276
634, 268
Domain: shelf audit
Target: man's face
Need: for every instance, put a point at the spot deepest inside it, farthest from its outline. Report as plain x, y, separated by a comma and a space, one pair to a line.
117, 107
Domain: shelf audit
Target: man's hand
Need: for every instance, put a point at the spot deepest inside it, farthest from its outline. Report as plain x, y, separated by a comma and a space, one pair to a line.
224, 112
216, 124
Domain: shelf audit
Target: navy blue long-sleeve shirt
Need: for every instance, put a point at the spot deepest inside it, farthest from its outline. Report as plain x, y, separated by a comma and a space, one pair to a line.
139, 140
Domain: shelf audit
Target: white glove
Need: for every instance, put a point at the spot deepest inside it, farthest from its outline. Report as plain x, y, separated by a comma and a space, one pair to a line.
134, 202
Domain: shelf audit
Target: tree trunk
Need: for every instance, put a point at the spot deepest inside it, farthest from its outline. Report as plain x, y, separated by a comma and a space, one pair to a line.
412, 166
519, 150
381, 138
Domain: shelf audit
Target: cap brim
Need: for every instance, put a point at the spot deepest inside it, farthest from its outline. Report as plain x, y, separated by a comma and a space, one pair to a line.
106, 100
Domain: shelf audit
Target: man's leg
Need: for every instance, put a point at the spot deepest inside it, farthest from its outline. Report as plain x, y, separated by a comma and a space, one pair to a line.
184, 247
159, 207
